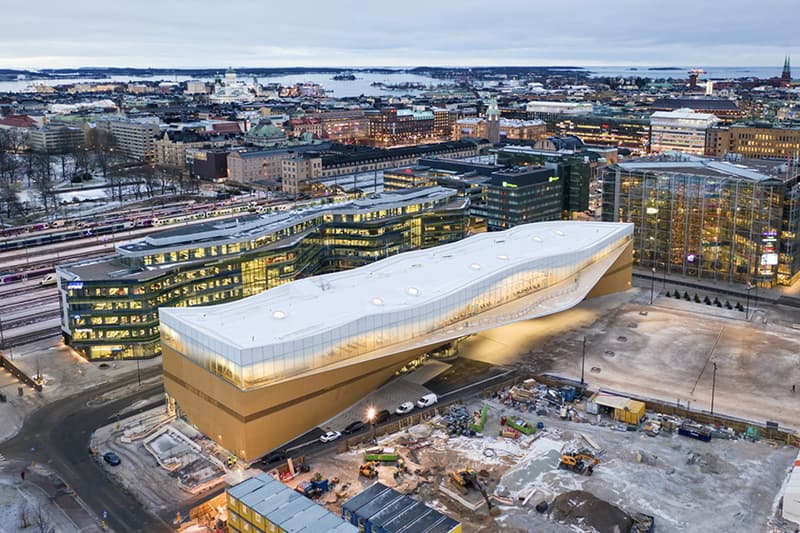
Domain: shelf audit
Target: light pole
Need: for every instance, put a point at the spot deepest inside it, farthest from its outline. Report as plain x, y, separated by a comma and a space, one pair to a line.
371, 418
583, 359
652, 283
747, 301
713, 387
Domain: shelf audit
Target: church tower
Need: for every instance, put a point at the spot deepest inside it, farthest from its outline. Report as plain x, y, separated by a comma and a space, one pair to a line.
493, 122
786, 75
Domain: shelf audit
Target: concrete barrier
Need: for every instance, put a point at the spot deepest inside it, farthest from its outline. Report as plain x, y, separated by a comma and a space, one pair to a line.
15, 371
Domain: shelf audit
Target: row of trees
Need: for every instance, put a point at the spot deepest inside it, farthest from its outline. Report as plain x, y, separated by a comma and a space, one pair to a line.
41, 173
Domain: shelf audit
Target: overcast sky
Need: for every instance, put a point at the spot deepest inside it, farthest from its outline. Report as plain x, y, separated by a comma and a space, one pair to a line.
269, 33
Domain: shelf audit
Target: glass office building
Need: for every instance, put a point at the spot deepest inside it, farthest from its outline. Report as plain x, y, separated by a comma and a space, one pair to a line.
730, 221
110, 305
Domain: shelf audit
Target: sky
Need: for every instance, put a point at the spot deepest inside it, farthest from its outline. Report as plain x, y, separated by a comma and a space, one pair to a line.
346, 33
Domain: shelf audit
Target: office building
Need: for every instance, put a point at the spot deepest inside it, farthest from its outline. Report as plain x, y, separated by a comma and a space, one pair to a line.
683, 130
134, 138
731, 221
502, 129
522, 195
725, 110
754, 141
246, 166
298, 172
553, 110
630, 133
395, 127
55, 139
381, 509
109, 305
257, 373
264, 504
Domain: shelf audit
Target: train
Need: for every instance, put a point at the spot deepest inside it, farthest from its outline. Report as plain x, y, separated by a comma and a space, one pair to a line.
6, 279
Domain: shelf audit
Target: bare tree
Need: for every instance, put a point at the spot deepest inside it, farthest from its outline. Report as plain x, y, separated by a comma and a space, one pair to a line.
42, 521
24, 514
43, 180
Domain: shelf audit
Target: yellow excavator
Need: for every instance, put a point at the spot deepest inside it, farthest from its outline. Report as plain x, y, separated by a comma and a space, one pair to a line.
581, 461
466, 478
369, 469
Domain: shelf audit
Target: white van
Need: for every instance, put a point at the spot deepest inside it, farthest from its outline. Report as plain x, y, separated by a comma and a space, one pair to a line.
427, 400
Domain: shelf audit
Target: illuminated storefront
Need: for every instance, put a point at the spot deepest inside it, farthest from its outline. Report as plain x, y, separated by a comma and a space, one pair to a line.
110, 305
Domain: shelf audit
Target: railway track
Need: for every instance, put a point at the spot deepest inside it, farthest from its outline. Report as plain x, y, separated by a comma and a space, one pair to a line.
30, 302
30, 336
31, 319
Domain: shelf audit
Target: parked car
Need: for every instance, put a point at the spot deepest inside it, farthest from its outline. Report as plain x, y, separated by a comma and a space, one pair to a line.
382, 416
405, 407
353, 427
111, 458
274, 457
427, 400
330, 436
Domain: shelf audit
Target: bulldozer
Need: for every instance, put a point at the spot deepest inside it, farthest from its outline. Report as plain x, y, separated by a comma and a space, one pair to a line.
369, 469
581, 461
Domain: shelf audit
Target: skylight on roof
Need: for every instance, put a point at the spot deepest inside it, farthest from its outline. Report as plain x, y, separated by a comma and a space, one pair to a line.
279, 315
377, 301
413, 291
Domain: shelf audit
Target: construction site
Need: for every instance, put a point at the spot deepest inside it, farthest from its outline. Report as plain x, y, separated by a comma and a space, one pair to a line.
525, 459
677, 426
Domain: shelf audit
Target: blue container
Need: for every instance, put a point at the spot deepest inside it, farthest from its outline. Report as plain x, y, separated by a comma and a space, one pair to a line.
568, 393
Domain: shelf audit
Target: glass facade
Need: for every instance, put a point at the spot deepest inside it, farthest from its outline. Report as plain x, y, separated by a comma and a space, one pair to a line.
730, 228
115, 315
554, 275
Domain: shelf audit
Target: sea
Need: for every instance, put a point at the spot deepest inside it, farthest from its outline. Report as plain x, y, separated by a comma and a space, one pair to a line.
364, 80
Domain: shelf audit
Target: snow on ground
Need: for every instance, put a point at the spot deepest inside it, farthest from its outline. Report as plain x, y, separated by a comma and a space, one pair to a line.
65, 373
16, 495
661, 351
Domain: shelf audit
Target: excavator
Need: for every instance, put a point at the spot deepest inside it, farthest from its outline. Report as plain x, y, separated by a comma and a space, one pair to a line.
466, 478
581, 461
369, 469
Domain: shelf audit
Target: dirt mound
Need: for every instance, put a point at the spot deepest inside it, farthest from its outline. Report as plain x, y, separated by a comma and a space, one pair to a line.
588, 511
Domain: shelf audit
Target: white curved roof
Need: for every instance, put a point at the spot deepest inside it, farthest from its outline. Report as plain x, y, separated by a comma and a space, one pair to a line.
401, 282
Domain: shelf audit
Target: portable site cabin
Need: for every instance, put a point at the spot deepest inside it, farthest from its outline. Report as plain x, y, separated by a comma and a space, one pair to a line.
791, 495
619, 407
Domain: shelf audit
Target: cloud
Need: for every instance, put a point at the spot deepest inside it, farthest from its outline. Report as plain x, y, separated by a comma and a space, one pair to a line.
174, 33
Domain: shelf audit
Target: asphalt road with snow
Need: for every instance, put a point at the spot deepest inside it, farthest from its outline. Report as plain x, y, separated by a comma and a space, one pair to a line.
58, 436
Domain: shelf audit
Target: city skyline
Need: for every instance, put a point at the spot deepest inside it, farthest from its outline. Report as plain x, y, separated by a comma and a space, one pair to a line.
574, 33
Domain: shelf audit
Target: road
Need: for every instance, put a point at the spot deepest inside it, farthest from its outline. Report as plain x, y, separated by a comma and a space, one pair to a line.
59, 433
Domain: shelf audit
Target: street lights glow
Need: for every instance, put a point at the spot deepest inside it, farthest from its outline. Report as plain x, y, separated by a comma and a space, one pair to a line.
371, 417
652, 284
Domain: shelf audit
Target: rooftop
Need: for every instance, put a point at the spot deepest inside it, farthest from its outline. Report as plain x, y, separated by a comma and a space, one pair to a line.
401, 282
289, 510
677, 162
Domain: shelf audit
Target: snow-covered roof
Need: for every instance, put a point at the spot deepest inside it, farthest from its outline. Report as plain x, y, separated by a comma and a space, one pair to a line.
401, 282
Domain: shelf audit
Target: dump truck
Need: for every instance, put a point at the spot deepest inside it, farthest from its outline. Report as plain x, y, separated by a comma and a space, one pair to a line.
385, 455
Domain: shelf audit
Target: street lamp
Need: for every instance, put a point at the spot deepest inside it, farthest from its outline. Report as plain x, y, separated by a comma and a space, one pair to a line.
747, 301
652, 283
371, 417
713, 387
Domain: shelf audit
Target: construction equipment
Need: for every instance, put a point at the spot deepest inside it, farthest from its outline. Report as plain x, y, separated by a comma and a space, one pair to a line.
369, 469
466, 478
509, 433
580, 460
